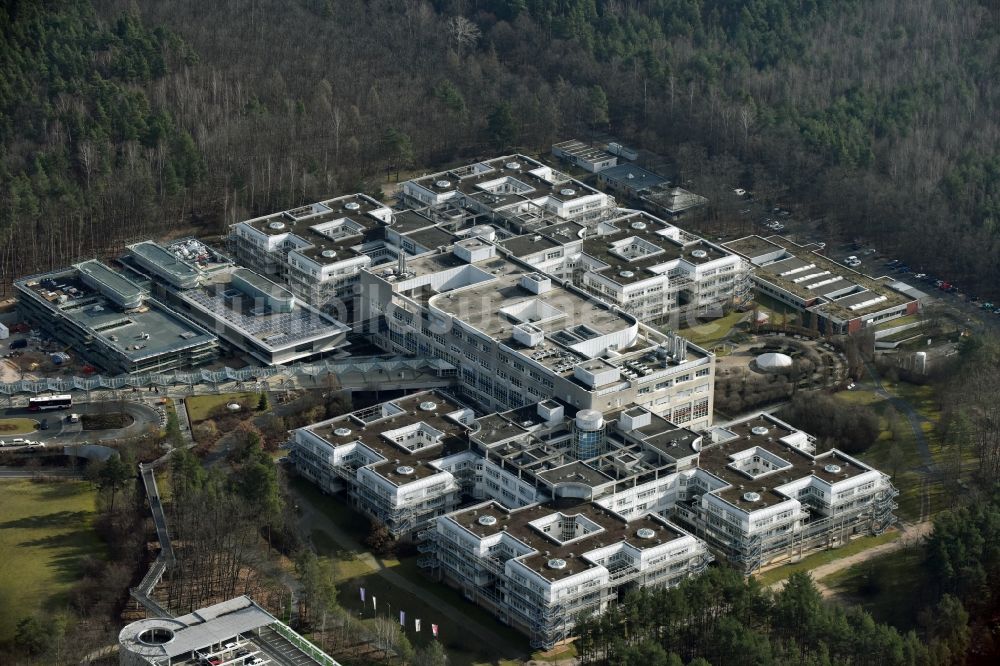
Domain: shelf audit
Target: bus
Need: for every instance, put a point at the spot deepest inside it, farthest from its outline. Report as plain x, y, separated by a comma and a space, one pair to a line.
50, 402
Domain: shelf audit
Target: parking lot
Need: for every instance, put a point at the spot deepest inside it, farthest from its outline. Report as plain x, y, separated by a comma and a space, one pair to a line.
237, 652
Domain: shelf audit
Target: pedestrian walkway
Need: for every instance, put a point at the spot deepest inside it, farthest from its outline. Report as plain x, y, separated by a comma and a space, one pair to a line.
361, 367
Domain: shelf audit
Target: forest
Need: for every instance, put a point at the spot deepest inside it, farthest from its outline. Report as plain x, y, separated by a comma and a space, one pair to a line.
722, 618
121, 120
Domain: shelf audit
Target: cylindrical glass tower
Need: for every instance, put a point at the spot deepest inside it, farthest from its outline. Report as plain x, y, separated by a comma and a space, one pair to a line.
588, 434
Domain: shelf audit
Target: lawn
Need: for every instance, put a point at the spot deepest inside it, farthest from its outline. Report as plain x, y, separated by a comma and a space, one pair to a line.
889, 587
902, 321
200, 407
45, 532
17, 426
775, 309
354, 573
859, 396
711, 333
810, 562
464, 648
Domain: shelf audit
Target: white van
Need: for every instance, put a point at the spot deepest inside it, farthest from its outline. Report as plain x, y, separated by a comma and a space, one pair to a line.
73, 418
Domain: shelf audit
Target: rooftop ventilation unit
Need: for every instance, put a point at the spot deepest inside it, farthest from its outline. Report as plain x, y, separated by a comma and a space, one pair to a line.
638, 225
759, 430
832, 469
626, 274
342, 432
645, 533
329, 254
512, 165
352, 205
557, 563
428, 406
487, 521
443, 184
404, 470
699, 254
751, 496
277, 226
567, 191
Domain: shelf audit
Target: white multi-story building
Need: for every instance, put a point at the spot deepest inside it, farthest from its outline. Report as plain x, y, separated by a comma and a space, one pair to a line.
832, 298
568, 230
761, 493
540, 517
641, 264
515, 192
539, 568
517, 336
317, 250
386, 458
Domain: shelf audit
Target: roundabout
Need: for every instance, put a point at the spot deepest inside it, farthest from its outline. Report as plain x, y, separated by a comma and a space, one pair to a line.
17, 426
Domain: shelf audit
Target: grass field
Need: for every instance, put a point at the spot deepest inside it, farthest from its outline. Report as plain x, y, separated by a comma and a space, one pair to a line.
711, 333
902, 321
772, 576
353, 573
464, 648
775, 309
201, 406
17, 426
888, 587
45, 532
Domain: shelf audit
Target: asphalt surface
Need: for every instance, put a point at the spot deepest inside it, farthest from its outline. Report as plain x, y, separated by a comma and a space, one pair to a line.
62, 433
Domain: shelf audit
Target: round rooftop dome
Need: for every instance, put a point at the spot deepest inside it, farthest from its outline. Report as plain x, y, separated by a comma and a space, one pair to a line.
487, 520
589, 419
276, 225
352, 205
832, 469
699, 254
512, 165
567, 191
774, 362
329, 254
759, 430
428, 406
405, 470
626, 274
557, 563
639, 225
443, 184
751, 497
342, 432
645, 533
